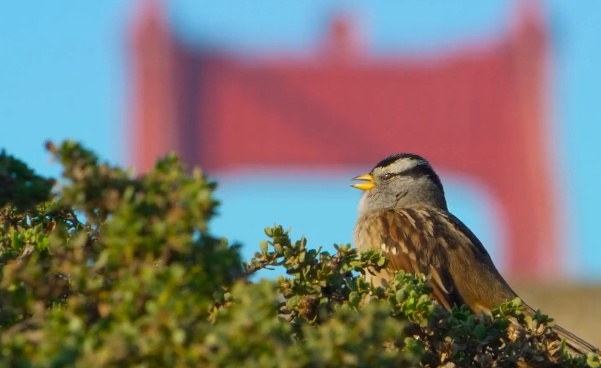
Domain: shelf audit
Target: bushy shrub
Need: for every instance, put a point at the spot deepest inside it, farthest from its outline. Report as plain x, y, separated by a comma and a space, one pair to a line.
105, 269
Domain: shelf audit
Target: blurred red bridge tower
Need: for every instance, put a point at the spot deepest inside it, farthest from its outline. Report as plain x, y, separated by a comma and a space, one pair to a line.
478, 110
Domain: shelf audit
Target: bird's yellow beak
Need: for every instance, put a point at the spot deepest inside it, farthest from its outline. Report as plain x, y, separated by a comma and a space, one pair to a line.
367, 184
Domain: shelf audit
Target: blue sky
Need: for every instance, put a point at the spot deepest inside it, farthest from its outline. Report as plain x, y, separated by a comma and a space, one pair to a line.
63, 74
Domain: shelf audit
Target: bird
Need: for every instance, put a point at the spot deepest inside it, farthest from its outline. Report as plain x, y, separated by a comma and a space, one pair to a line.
403, 212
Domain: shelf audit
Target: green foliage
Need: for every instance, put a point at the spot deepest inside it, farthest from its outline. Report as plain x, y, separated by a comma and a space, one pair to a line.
112, 270
19, 185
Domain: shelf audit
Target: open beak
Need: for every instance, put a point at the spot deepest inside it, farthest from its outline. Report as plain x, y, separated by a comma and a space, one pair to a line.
367, 184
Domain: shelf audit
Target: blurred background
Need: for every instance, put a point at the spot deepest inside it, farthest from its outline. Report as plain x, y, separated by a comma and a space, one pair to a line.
285, 102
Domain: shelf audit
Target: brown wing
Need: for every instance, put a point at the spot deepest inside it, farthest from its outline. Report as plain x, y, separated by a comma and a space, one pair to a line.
435, 243
411, 242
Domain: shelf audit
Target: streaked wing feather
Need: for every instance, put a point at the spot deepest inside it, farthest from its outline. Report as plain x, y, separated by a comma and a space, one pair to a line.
409, 249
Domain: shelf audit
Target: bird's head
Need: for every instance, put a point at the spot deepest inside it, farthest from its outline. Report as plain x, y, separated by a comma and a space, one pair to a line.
400, 180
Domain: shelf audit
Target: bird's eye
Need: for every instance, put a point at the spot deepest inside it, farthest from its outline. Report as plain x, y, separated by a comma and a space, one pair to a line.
387, 176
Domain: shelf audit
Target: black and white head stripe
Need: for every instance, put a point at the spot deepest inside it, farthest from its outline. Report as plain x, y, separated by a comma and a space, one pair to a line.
408, 164
410, 157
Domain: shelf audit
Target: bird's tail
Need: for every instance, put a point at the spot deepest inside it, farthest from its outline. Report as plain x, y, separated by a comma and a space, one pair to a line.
575, 345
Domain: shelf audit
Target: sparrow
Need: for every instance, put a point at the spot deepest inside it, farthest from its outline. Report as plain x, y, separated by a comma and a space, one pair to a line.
403, 212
